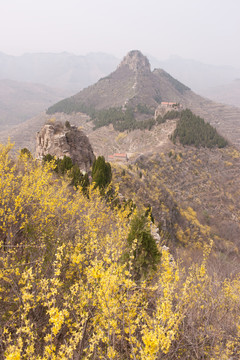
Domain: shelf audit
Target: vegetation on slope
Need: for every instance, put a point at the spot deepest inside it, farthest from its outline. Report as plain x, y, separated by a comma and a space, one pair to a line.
65, 166
124, 119
193, 130
170, 115
121, 119
101, 173
67, 290
69, 106
193, 194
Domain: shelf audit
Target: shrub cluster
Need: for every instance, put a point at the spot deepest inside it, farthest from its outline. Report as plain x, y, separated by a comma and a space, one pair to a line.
65, 166
121, 120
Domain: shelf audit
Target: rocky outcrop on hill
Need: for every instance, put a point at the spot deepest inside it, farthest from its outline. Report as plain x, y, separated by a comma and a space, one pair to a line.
136, 62
59, 140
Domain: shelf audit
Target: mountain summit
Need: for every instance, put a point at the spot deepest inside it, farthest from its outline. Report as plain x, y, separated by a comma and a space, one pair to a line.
136, 62
131, 84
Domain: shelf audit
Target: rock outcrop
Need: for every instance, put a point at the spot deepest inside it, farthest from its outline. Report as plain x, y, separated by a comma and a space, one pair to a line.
59, 140
136, 62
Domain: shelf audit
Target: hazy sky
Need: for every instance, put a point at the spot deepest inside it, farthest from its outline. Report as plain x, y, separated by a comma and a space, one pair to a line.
205, 30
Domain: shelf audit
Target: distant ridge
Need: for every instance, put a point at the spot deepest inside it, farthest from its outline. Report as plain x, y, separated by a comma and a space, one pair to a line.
227, 93
20, 101
59, 70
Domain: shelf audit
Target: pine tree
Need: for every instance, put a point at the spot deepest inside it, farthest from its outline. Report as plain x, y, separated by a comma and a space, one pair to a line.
143, 245
101, 173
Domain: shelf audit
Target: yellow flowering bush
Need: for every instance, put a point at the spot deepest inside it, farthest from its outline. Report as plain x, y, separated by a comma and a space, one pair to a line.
66, 291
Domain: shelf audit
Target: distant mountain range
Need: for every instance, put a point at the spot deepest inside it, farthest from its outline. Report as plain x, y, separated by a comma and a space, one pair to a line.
30, 83
198, 76
132, 85
73, 73
228, 93
65, 71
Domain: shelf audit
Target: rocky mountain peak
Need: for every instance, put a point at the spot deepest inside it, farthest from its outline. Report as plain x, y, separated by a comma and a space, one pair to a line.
136, 62
59, 140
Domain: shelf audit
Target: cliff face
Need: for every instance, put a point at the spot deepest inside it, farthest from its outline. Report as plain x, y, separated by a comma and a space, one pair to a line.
59, 140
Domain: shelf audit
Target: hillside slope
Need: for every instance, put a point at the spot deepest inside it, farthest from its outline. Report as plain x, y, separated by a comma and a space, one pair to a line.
193, 194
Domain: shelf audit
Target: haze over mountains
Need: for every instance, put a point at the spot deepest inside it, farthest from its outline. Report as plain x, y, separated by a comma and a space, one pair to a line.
69, 73
228, 93
65, 71
30, 83
197, 75
119, 180
73, 72
132, 83
20, 101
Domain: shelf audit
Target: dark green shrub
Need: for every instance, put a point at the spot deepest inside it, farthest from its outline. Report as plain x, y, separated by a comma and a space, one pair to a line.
143, 247
63, 165
160, 119
101, 173
170, 115
66, 165
67, 124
